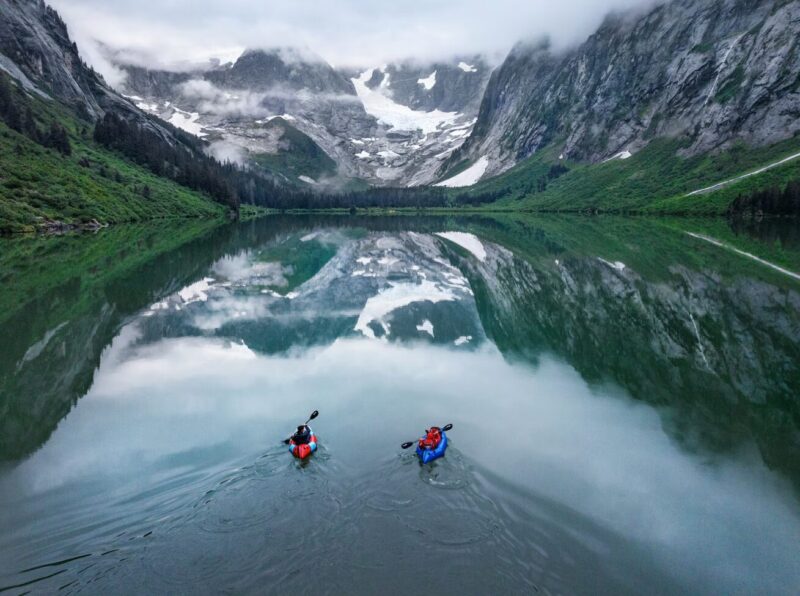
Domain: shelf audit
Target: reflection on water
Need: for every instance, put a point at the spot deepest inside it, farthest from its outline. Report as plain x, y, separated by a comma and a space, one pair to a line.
623, 395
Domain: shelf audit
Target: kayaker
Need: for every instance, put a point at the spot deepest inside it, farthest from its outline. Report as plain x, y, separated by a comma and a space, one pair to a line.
432, 438
302, 436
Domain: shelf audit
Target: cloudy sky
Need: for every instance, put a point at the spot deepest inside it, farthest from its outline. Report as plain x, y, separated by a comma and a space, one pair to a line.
345, 32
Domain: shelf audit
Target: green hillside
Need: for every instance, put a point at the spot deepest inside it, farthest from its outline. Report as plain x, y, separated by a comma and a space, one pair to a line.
39, 184
655, 180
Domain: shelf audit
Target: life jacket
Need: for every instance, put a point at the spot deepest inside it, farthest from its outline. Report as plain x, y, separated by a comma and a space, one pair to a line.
432, 438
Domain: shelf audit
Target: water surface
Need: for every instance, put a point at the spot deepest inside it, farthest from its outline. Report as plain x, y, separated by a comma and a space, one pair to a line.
624, 397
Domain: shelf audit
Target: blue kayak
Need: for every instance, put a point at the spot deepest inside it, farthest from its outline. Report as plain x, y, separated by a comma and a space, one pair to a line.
429, 455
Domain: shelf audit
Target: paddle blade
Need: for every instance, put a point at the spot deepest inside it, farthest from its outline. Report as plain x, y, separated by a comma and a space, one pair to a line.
314, 414
448, 427
287, 441
407, 445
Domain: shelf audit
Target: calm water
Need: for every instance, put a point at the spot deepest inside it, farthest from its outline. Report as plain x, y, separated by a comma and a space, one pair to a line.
624, 395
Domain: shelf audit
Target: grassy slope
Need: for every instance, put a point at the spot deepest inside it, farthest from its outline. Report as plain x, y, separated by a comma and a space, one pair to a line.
655, 180
40, 184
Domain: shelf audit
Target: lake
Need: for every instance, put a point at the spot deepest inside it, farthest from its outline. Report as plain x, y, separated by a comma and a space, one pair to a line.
625, 395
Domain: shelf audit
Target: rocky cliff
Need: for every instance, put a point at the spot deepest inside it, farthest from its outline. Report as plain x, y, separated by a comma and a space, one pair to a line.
36, 50
711, 72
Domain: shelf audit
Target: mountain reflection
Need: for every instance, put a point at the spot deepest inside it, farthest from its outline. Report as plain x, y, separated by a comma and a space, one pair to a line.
709, 338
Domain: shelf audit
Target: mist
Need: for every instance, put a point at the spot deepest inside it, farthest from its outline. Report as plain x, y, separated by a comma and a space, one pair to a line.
347, 33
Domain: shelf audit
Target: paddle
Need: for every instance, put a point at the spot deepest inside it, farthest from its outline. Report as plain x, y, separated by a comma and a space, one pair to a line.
410, 443
314, 414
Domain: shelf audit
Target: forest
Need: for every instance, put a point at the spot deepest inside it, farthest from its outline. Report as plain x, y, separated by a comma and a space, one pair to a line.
771, 201
17, 114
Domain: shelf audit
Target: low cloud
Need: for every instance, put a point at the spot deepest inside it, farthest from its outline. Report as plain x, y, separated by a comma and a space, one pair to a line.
227, 152
209, 99
346, 32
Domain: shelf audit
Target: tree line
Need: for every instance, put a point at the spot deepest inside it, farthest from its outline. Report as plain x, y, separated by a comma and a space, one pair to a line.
17, 114
180, 162
771, 201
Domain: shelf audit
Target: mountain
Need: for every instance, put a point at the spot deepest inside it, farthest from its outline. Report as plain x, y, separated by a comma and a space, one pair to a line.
428, 111
35, 48
710, 73
75, 152
388, 126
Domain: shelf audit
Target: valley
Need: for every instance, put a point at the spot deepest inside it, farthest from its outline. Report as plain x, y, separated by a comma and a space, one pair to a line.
617, 123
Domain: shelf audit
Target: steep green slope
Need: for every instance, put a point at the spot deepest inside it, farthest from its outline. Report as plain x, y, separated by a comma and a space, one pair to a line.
656, 180
39, 184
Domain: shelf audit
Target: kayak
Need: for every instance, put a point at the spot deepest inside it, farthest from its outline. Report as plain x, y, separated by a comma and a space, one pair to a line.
303, 451
429, 455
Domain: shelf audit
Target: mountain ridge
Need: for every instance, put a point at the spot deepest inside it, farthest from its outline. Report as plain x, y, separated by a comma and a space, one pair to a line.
712, 71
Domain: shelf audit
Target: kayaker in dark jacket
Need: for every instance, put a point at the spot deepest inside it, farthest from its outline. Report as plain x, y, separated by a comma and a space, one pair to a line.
302, 436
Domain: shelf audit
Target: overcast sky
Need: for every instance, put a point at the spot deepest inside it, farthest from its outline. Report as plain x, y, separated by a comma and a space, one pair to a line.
345, 32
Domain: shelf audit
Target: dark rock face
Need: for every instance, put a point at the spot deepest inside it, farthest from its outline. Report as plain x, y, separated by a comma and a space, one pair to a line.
154, 83
36, 50
712, 71
35, 39
259, 70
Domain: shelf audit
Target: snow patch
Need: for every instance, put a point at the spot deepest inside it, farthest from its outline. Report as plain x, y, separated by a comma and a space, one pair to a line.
398, 295
426, 327
429, 82
395, 115
242, 350
187, 121
621, 155
464, 339
469, 176
196, 292
147, 107
467, 67
466, 241
618, 265
363, 155
307, 180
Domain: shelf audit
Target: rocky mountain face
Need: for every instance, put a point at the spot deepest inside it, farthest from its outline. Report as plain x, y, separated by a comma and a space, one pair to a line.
35, 48
389, 126
36, 51
455, 86
711, 72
